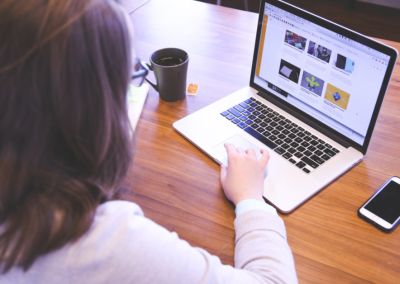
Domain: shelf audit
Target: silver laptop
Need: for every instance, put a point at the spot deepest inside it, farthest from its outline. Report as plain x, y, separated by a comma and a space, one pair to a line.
314, 96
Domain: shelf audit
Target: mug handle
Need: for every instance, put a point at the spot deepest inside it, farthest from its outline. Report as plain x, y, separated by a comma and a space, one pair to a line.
150, 68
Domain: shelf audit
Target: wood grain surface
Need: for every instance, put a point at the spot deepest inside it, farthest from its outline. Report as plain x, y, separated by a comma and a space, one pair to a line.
178, 186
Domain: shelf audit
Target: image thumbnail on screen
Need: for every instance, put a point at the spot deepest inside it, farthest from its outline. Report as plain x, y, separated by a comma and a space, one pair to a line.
319, 51
337, 96
289, 71
344, 63
295, 40
312, 83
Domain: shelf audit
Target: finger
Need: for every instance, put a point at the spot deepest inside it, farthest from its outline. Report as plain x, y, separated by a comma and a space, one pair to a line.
231, 151
223, 173
250, 152
264, 159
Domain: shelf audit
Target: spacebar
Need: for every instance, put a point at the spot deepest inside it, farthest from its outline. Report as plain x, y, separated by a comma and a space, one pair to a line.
260, 137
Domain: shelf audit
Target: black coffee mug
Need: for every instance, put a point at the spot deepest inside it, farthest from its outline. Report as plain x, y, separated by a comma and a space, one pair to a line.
170, 69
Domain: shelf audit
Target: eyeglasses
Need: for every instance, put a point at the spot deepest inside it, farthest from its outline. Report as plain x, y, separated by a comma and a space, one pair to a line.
140, 73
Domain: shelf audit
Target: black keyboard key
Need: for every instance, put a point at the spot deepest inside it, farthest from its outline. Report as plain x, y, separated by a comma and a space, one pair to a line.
260, 137
273, 123
313, 142
280, 150
335, 150
275, 132
300, 164
325, 157
317, 159
239, 108
291, 135
280, 128
241, 124
249, 121
244, 105
285, 131
273, 137
292, 150
254, 125
301, 134
261, 116
298, 155
246, 113
279, 142
285, 146
292, 161
310, 162
259, 108
307, 138
294, 144
230, 116
259, 129
306, 170
288, 140
305, 144
266, 133
321, 147
301, 149
287, 155
312, 148
257, 120
269, 128
295, 130
318, 153
281, 136
298, 140
256, 112
307, 153
234, 112
251, 116
329, 152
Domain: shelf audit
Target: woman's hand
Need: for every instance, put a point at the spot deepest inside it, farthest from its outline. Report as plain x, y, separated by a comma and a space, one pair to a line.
243, 178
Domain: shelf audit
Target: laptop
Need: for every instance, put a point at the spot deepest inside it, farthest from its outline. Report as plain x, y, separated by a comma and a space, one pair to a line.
314, 96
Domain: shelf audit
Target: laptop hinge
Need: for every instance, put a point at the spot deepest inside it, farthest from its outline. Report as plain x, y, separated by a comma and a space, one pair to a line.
304, 118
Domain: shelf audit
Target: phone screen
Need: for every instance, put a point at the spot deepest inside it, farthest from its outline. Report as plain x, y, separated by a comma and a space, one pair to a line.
386, 204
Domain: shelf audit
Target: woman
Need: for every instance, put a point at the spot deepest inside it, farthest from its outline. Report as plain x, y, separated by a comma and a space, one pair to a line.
65, 146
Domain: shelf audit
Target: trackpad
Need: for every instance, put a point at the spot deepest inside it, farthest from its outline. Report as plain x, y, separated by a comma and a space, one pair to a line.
240, 142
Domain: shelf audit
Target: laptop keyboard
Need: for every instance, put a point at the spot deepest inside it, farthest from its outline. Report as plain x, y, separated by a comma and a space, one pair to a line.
301, 148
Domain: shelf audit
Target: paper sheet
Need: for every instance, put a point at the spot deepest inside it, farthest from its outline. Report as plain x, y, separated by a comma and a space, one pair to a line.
136, 99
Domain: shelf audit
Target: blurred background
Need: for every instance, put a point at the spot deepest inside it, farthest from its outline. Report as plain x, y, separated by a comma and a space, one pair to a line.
377, 18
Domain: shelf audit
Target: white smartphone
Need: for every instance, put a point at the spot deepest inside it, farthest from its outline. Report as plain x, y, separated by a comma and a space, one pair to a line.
383, 208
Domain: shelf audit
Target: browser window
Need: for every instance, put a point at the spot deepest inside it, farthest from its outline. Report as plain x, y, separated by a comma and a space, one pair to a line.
328, 76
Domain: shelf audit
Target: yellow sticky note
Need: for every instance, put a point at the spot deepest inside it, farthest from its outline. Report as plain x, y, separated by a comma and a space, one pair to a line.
193, 89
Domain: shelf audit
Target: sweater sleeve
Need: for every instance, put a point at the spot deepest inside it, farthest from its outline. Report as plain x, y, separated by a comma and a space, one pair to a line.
134, 249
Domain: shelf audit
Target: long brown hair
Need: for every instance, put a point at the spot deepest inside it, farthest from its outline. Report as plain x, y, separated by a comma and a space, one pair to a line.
64, 130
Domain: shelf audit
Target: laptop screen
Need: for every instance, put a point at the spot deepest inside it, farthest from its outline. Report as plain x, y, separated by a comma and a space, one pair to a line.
335, 76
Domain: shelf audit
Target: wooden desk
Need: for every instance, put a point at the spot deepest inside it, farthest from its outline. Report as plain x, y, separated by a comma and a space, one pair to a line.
178, 186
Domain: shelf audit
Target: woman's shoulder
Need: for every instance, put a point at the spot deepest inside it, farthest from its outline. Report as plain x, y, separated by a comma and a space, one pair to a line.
112, 209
